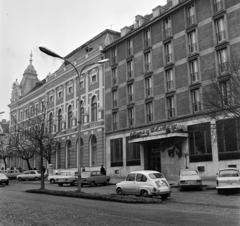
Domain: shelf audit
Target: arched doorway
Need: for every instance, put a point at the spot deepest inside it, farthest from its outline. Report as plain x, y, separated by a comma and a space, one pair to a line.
93, 150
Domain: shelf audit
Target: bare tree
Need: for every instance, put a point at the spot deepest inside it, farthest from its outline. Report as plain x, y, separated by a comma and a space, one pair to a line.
5, 150
36, 135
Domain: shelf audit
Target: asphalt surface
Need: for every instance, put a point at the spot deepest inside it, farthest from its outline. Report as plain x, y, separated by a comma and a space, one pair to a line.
183, 208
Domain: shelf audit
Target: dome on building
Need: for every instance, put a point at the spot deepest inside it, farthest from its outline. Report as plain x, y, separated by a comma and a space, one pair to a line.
30, 68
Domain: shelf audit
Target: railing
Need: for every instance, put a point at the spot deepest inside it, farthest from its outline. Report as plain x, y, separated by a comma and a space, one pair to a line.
149, 118
221, 36
197, 106
195, 76
114, 80
169, 85
130, 98
223, 67
149, 92
130, 74
147, 42
168, 58
129, 51
114, 60
167, 32
191, 20
193, 48
114, 103
171, 112
147, 67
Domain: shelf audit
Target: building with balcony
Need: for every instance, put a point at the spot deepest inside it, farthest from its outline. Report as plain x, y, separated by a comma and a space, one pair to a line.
154, 85
58, 93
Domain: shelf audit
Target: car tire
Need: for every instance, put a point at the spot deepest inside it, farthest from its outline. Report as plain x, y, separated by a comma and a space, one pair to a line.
7, 183
20, 179
107, 182
119, 192
219, 191
164, 197
52, 181
144, 193
92, 184
72, 184
60, 184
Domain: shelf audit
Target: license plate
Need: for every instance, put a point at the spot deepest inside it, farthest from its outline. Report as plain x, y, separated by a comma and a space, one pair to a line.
190, 182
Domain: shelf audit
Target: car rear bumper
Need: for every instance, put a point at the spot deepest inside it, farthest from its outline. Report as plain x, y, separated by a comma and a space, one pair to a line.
229, 187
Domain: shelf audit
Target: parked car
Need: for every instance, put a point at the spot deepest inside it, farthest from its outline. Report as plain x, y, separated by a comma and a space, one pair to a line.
29, 175
189, 178
94, 178
228, 178
66, 177
4, 179
144, 183
11, 174
52, 178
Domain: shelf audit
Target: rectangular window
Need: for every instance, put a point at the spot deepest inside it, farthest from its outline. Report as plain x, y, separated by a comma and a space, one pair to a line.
190, 15
70, 89
93, 79
192, 42
129, 47
171, 107
59, 94
147, 62
82, 85
115, 121
130, 117
200, 148
114, 55
194, 71
220, 30
51, 99
130, 93
228, 138
169, 78
147, 38
114, 76
130, 69
222, 61
225, 92
168, 53
148, 83
133, 153
218, 5
149, 109
196, 100
114, 97
167, 27
116, 152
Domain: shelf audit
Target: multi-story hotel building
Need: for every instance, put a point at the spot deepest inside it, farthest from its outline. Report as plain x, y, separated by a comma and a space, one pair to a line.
59, 93
154, 86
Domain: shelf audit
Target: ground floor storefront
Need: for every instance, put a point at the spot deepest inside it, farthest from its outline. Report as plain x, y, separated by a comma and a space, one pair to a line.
197, 144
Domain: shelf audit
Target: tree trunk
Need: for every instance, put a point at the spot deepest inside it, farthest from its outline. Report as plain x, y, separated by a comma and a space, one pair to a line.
28, 163
5, 163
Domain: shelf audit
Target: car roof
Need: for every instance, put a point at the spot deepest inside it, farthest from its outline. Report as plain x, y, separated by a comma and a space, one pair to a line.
229, 168
189, 170
145, 171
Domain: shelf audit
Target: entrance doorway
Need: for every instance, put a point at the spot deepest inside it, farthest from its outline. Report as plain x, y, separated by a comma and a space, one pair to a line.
154, 158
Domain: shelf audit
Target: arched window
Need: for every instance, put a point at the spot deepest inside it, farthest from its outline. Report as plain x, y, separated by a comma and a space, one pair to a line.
58, 155
93, 146
82, 113
68, 154
70, 116
94, 109
50, 122
59, 120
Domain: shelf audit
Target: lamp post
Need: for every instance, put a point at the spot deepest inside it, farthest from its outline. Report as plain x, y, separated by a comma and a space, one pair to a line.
51, 53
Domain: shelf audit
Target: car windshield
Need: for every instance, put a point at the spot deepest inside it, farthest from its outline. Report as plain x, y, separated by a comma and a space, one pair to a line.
228, 173
189, 173
86, 174
66, 173
155, 175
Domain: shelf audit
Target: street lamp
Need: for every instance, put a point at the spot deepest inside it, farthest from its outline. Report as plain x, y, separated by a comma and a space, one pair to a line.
51, 53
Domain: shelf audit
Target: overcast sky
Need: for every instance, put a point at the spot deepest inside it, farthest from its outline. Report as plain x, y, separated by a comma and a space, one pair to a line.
60, 25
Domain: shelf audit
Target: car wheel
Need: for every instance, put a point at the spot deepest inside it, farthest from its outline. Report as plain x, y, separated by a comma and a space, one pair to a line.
72, 184
164, 197
7, 182
219, 191
52, 181
60, 184
20, 179
92, 184
144, 193
107, 182
119, 192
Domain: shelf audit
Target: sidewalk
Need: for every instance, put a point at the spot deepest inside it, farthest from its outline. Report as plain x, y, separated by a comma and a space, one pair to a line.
209, 182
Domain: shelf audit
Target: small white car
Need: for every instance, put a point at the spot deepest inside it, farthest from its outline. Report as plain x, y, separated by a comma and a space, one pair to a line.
52, 178
144, 183
4, 179
11, 174
94, 178
67, 177
189, 178
228, 178
29, 175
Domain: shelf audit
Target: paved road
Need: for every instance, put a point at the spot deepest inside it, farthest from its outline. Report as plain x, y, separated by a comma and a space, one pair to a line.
183, 208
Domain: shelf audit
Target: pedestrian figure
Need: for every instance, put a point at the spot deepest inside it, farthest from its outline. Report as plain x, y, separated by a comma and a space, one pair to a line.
103, 171
43, 169
83, 169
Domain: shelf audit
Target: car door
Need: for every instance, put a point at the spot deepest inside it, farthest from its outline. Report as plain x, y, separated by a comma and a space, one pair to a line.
25, 175
32, 175
129, 186
140, 183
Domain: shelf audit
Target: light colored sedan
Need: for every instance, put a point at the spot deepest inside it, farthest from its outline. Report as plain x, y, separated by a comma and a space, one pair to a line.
29, 175
144, 183
189, 178
4, 179
228, 178
94, 178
